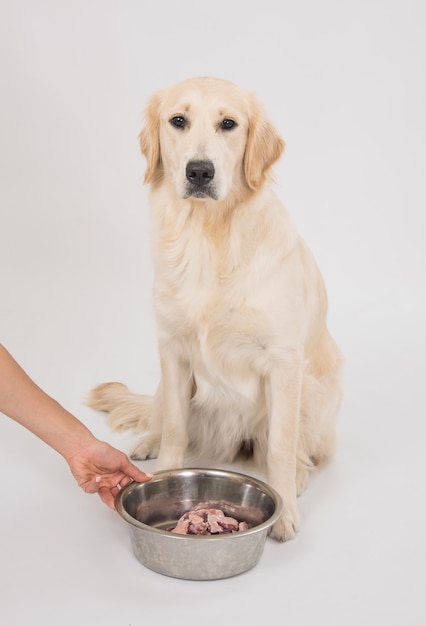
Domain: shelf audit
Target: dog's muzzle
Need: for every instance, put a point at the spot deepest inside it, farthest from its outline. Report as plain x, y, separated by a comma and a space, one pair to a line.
200, 176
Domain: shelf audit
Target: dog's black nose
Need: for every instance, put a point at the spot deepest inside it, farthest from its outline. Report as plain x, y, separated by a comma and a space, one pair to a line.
200, 173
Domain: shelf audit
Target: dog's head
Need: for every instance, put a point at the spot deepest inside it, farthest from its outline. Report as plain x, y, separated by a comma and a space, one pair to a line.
208, 137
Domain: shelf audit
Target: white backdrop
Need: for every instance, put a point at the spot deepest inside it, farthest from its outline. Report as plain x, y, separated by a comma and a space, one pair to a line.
345, 84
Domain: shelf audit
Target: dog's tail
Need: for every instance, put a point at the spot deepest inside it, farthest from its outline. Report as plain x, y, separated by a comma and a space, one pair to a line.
126, 410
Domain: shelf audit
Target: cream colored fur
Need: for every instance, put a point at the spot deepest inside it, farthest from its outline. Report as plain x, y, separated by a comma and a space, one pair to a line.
246, 357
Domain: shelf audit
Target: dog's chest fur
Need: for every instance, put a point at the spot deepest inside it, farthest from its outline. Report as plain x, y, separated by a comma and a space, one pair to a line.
216, 294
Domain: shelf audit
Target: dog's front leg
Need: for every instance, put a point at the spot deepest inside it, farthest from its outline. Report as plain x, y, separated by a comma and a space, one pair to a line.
283, 389
176, 385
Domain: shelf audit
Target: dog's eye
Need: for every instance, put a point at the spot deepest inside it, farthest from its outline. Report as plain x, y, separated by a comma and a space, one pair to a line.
178, 121
227, 124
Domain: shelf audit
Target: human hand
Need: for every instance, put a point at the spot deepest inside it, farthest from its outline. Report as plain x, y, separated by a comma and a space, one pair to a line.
100, 468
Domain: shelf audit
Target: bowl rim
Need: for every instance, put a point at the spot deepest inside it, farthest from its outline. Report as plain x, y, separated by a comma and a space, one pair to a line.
162, 474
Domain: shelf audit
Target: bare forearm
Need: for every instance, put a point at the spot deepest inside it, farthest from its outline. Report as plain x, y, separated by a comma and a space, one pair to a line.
23, 401
97, 466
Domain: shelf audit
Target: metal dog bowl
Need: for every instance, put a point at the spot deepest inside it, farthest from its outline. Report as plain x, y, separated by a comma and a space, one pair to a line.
151, 509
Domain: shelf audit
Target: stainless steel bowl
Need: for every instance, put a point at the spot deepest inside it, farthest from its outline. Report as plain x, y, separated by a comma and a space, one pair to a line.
152, 508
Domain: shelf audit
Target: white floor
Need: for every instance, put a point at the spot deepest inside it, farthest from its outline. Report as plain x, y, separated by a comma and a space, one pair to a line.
346, 89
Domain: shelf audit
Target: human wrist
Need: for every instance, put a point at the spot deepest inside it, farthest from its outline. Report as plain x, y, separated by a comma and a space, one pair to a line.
75, 443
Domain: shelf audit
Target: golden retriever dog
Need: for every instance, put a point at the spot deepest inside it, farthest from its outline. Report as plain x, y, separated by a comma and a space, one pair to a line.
247, 361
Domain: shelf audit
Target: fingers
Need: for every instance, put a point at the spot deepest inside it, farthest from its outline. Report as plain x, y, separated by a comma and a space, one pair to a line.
90, 486
134, 473
123, 483
140, 477
108, 485
108, 492
107, 497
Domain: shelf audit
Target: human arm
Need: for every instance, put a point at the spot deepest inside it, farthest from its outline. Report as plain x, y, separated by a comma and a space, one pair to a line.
96, 466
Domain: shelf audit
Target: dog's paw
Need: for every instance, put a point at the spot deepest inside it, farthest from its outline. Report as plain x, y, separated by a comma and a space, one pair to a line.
147, 448
287, 526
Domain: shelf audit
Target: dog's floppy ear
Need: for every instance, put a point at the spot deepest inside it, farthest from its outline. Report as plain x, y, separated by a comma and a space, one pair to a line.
150, 141
264, 147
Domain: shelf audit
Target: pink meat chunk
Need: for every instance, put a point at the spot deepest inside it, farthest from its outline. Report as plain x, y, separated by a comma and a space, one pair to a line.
207, 522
